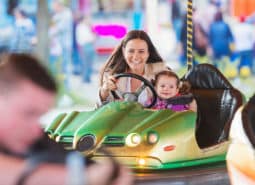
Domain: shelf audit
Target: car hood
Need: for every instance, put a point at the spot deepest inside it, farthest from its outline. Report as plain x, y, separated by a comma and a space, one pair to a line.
122, 118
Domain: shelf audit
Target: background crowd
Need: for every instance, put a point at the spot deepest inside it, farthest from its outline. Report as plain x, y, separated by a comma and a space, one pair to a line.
83, 33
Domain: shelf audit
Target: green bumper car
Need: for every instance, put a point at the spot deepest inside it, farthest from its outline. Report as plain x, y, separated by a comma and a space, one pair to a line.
144, 138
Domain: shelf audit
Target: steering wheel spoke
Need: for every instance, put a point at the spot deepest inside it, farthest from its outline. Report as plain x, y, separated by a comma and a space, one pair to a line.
120, 94
140, 89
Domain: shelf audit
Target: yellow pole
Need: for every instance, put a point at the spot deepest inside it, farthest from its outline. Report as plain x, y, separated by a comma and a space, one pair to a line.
189, 34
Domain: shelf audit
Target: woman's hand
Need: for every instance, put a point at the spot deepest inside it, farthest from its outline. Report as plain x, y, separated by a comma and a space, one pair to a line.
108, 85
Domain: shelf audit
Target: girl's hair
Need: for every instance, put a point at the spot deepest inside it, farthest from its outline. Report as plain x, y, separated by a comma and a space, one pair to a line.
166, 73
184, 87
116, 62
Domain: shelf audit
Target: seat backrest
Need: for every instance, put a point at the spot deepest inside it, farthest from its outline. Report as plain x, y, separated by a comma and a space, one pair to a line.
217, 101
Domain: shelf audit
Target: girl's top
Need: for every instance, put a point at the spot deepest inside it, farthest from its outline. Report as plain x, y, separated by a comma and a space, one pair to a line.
163, 104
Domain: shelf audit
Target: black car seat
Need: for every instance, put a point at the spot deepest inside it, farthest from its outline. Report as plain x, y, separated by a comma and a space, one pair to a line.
248, 120
217, 101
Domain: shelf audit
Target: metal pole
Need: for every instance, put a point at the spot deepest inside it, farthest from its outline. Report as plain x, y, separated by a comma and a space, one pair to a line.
189, 34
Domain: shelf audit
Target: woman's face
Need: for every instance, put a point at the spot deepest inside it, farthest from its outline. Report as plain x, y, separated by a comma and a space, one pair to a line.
166, 87
136, 54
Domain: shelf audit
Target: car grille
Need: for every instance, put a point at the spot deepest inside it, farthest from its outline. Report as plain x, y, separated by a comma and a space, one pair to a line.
66, 139
114, 141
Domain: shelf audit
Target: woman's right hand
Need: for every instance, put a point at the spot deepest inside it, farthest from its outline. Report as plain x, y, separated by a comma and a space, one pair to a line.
109, 84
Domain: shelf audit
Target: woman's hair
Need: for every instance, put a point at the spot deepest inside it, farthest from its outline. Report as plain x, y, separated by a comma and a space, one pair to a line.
116, 62
184, 87
15, 67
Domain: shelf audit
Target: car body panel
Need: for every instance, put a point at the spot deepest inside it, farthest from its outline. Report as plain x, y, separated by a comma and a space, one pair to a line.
112, 123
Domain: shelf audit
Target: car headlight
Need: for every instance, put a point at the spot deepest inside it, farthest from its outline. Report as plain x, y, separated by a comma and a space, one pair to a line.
133, 139
86, 143
152, 137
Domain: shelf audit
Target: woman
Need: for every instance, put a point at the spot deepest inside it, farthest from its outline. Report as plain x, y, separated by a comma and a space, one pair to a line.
136, 54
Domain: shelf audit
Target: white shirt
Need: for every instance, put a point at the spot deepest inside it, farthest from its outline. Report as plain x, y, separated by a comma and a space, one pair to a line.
84, 34
244, 36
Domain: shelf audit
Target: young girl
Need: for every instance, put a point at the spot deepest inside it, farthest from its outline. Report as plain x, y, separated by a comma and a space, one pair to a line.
170, 94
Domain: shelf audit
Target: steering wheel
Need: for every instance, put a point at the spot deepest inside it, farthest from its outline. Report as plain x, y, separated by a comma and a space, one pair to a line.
133, 96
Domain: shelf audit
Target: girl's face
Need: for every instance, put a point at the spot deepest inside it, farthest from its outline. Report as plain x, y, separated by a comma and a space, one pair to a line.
166, 87
136, 54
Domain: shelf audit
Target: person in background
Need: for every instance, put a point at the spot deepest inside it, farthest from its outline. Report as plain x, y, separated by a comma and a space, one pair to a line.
61, 31
26, 92
220, 37
205, 16
75, 54
167, 85
135, 54
85, 38
201, 44
176, 18
6, 26
24, 34
244, 35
